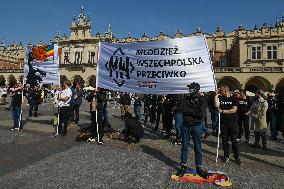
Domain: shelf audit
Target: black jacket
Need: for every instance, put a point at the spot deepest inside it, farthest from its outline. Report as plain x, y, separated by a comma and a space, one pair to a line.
133, 128
193, 109
125, 99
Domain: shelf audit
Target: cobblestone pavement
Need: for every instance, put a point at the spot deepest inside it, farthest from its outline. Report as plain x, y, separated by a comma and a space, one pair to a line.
32, 159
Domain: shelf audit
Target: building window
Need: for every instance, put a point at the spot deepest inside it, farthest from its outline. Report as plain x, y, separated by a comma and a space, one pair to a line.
78, 57
223, 62
66, 57
91, 57
255, 53
271, 52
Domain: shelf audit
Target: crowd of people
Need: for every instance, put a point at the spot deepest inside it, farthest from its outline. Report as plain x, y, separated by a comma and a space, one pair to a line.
239, 114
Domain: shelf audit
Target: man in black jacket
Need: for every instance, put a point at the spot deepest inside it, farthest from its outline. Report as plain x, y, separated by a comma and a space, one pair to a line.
33, 99
133, 129
280, 105
101, 101
193, 108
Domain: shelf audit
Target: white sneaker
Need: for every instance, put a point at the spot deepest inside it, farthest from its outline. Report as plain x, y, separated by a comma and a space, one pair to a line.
92, 140
100, 143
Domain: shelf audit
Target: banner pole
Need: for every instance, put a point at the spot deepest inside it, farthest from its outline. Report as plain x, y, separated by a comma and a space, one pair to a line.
21, 114
97, 125
216, 88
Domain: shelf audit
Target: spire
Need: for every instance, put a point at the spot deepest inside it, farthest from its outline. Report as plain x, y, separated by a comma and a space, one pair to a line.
89, 17
219, 29
2, 43
109, 28
198, 30
82, 10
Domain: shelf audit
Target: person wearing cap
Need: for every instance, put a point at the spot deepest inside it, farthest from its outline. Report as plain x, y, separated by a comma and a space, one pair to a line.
193, 108
258, 119
227, 106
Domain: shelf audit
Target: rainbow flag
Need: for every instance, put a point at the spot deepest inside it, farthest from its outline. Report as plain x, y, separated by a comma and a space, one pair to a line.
49, 50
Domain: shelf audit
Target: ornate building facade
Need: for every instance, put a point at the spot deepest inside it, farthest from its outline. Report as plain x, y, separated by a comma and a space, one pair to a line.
243, 59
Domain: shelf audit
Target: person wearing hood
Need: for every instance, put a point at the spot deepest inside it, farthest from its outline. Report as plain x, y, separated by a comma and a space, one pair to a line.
193, 108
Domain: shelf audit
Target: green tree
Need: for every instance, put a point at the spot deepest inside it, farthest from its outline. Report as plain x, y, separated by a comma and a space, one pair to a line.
12, 81
78, 79
2, 80
92, 81
21, 77
63, 78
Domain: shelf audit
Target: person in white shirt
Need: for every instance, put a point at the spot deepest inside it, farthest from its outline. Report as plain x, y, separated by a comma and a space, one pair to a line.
64, 108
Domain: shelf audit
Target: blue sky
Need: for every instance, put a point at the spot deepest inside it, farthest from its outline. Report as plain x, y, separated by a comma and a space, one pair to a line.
35, 20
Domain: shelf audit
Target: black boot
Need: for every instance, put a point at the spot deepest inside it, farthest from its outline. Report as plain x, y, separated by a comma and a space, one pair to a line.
264, 141
257, 139
202, 173
35, 114
182, 170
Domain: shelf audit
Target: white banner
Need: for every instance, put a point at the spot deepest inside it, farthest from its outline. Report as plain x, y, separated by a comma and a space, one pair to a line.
156, 67
42, 65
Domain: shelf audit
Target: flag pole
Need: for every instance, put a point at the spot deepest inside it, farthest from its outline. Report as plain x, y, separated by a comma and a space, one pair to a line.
211, 56
97, 125
21, 114
219, 124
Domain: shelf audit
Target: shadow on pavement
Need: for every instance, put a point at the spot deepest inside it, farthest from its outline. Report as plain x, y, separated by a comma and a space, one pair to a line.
158, 155
43, 122
245, 148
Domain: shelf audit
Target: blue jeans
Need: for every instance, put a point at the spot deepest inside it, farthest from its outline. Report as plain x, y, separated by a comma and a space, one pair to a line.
204, 129
178, 124
16, 113
273, 125
196, 131
137, 111
215, 120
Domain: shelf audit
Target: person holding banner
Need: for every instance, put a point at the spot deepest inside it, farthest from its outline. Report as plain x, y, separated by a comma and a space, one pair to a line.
56, 96
227, 106
64, 108
125, 102
193, 107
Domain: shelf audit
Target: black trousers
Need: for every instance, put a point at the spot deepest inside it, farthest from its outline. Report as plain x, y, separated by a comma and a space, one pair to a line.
64, 117
146, 113
72, 115
243, 122
159, 113
168, 124
33, 107
152, 115
230, 131
76, 111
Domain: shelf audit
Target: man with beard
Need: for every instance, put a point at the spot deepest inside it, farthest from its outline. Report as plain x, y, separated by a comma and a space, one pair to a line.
227, 106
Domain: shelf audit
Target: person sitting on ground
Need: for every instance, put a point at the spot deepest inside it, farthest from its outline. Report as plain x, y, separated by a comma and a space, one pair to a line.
133, 129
